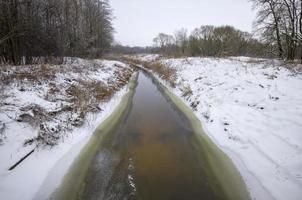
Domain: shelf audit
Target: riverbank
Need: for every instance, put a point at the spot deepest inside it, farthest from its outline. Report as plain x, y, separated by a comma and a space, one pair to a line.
69, 101
121, 160
218, 166
73, 181
251, 108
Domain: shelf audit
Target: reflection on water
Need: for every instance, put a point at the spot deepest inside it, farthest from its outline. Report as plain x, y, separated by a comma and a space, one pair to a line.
150, 155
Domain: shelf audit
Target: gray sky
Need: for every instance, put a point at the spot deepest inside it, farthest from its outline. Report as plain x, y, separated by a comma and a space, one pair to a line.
139, 21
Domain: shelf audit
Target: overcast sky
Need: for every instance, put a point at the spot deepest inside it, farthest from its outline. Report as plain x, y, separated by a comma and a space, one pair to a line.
137, 22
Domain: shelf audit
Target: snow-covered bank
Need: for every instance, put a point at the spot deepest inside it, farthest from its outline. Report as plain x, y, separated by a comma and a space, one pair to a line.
74, 125
252, 109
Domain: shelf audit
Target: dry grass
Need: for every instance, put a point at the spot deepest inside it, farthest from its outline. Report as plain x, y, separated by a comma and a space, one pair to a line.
187, 91
35, 74
293, 66
165, 72
79, 96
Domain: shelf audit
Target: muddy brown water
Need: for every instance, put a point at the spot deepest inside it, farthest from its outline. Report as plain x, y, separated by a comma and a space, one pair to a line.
148, 149
150, 155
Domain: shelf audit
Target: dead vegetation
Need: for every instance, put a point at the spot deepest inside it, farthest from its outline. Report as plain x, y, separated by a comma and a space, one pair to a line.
295, 67
165, 72
36, 74
75, 90
187, 91
2, 129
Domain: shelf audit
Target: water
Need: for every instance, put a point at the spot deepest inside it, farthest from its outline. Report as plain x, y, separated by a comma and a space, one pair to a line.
149, 156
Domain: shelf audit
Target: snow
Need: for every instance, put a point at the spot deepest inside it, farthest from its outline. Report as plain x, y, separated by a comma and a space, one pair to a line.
148, 57
252, 109
25, 181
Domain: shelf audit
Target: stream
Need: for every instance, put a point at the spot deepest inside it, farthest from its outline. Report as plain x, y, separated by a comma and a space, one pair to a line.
151, 154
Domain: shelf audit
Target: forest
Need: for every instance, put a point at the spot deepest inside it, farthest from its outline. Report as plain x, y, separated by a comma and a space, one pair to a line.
30, 29
277, 33
54, 28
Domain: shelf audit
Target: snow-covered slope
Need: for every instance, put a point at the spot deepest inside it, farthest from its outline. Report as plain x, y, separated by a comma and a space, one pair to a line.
53, 109
252, 109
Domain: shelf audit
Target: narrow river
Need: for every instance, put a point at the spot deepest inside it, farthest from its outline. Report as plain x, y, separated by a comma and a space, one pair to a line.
150, 155
153, 153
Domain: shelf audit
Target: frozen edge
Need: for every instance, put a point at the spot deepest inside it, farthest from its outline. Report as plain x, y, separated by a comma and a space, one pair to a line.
73, 180
254, 185
41, 173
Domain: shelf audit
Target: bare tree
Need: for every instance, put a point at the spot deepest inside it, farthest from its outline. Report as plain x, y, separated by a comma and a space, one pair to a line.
280, 22
300, 27
54, 28
181, 40
165, 42
290, 26
210, 41
268, 21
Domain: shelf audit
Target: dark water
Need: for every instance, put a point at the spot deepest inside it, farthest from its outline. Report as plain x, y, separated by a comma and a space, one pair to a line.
150, 156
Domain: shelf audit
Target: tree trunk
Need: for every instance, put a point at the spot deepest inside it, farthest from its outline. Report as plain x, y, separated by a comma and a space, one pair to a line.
291, 9
276, 21
300, 24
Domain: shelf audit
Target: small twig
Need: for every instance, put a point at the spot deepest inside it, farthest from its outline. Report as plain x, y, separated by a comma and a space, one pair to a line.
21, 160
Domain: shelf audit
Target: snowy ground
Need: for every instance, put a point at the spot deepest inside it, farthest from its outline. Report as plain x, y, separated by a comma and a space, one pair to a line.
252, 109
54, 110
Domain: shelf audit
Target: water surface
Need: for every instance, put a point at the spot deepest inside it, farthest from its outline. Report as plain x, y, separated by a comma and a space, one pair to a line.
149, 156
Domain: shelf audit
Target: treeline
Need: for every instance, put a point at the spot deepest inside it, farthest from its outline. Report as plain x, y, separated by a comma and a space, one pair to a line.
54, 28
280, 24
210, 41
120, 49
